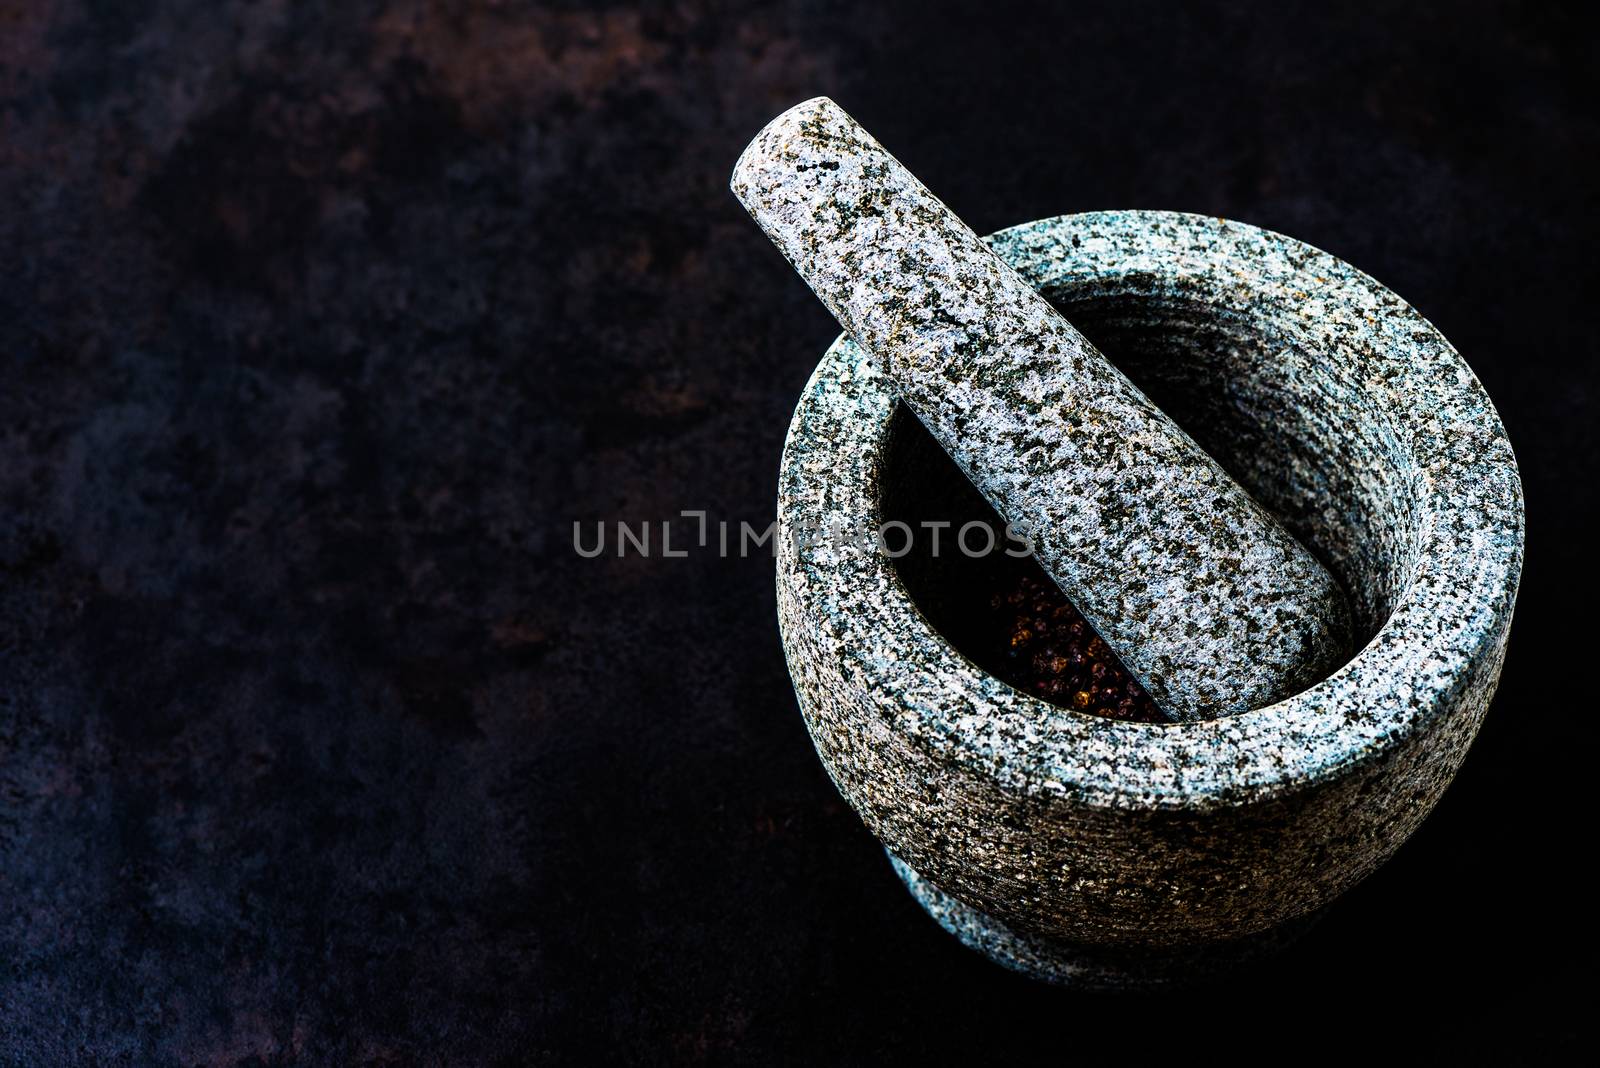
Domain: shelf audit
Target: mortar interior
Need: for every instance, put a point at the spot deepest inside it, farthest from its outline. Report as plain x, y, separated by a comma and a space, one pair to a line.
1295, 427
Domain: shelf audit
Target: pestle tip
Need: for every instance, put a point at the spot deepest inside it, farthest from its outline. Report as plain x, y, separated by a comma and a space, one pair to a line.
786, 124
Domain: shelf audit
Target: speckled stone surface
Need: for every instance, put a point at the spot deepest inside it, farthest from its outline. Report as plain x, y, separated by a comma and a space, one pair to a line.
1340, 408
1089, 967
1211, 604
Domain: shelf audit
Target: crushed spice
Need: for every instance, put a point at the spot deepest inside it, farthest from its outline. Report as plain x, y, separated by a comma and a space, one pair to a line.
1053, 654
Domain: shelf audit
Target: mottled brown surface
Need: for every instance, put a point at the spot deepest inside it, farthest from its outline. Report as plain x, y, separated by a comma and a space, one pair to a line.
317, 741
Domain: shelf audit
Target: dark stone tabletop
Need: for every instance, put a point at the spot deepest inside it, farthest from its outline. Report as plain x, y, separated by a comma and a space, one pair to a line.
318, 741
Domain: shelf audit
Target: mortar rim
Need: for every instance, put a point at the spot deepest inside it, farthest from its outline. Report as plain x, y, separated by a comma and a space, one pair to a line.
1361, 711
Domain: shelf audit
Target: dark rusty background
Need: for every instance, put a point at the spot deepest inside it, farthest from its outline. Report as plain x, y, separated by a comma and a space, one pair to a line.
319, 744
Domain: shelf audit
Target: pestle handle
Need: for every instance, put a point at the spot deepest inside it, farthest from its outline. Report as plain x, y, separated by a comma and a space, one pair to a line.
1205, 597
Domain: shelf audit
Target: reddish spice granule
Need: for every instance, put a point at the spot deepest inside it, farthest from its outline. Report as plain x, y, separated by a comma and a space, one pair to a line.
1055, 655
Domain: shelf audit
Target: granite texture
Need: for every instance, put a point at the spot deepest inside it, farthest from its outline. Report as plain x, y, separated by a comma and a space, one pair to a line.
1331, 400
319, 324
1203, 595
1108, 969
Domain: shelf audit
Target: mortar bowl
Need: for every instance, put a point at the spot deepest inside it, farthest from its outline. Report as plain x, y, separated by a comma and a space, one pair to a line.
1108, 854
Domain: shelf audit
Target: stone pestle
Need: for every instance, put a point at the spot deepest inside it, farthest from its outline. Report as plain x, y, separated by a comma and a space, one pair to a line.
1211, 604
